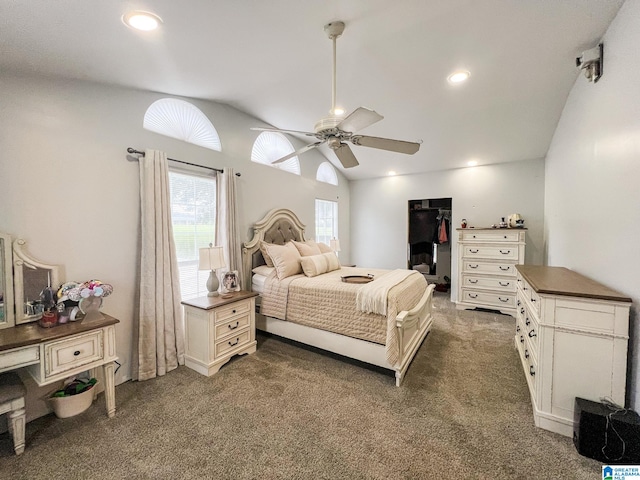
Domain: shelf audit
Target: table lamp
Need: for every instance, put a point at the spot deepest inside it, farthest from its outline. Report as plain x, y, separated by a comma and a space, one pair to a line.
334, 243
211, 258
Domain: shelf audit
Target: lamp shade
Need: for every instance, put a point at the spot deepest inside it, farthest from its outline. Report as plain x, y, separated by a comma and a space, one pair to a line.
211, 258
334, 243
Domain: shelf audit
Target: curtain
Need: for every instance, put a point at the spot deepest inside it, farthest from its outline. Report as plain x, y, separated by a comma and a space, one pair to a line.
227, 229
160, 345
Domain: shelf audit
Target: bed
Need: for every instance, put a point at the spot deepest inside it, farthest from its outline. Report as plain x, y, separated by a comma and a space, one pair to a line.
382, 322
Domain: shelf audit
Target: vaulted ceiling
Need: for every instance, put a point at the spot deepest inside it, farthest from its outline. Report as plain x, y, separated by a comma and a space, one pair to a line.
272, 59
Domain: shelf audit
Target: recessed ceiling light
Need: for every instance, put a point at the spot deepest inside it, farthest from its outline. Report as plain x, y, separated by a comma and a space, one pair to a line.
144, 21
391, 173
458, 77
472, 163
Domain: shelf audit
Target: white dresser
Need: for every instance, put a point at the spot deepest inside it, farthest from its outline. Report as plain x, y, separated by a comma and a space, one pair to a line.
486, 264
572, 335
218, 328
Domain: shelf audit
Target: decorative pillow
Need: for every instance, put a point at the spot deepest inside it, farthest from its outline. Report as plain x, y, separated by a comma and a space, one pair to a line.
265, 255
319, 264
285, 258
307, 248
263, 270
324, 248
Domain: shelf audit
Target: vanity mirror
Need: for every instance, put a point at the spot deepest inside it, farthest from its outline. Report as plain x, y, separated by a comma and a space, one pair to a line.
23, 278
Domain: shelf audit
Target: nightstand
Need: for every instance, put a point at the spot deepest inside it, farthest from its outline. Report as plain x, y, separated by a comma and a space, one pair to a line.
218, 328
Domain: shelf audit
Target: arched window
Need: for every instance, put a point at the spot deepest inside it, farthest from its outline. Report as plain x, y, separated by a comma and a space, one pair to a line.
182, 120
269, 147
327, 174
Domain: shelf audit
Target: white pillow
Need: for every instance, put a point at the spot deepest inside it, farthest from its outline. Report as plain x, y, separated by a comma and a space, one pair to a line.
318, 264
263, 270
324, 248
265, 255
285, 258
307, 248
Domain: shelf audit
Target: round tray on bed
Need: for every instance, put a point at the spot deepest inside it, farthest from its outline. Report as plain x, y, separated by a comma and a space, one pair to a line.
357, 278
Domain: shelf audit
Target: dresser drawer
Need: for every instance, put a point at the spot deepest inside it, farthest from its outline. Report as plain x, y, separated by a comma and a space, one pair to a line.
489, 283
493, 252
19, 357
69, 354
230, 327
505, 300
490, 236
229, 344
227, 312
504, 269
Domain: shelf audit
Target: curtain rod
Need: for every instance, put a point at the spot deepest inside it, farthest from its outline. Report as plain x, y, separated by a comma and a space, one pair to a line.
138, 152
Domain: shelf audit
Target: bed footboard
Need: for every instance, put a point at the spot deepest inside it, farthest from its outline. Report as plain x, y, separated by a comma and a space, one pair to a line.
412, 327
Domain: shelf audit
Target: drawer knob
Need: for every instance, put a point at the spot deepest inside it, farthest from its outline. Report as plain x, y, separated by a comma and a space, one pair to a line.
526, 353
473, 281
519, 303
233, 327
506, 284
76, 353
234, 343
473, 295
532, 371
522, 310
233, 311
533, 299
532, 333
473, 251
473, 266
504, 300
505, 236
527, 321
505, 269
505, 253
521, 339
518, 328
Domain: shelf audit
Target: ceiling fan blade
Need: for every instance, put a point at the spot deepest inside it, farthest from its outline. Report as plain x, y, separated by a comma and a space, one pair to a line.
294, 132
399, 146
346, 156
358, 119
297, 152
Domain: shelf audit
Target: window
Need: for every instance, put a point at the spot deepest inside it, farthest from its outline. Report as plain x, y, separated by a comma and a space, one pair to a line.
269, 147
182, 120
193, 217
327, 174
326, 220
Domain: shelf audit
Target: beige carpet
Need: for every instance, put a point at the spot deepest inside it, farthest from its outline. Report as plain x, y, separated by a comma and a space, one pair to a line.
293, 413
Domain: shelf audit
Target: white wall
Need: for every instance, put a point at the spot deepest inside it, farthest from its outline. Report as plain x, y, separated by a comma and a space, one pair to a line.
67, 188
592, 202
482, 195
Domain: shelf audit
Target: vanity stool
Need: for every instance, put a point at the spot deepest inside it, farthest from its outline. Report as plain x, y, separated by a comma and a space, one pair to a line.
12, 394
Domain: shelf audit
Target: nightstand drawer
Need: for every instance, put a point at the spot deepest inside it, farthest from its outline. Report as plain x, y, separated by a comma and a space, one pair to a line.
227, 312
505, 269
69, 354
489, 283
232, 343
505, 300
506, 252
232, 326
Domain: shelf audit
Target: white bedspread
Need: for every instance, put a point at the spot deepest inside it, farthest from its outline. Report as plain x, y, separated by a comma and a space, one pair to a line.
373, 297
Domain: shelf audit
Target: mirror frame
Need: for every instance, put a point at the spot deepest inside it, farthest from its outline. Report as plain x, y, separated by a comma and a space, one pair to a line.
7, 273
21, 260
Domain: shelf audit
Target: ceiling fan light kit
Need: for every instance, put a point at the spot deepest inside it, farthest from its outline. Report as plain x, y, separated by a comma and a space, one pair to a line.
335, 131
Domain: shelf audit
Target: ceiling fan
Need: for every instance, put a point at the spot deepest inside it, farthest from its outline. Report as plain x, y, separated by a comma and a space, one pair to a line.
335, 130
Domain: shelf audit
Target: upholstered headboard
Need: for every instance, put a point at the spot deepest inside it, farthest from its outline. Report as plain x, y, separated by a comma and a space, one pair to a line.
278, 226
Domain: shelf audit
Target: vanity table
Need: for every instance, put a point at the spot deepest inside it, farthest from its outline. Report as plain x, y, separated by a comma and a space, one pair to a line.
53, 354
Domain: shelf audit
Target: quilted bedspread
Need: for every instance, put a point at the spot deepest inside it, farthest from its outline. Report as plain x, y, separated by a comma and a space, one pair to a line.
327, 303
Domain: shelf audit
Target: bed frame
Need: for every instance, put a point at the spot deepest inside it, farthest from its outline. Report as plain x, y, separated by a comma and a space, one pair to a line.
282, 225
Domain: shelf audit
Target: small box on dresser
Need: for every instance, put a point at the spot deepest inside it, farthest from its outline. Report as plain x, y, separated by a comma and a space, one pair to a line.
218, 328
486, 264
571, 335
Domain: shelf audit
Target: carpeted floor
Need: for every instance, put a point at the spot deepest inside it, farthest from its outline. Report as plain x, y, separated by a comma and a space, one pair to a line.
293, 413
